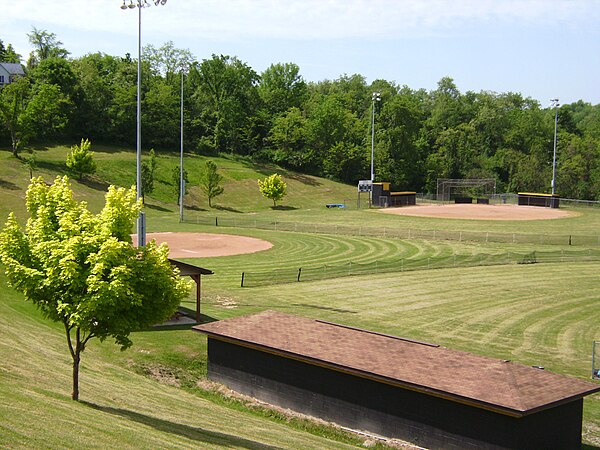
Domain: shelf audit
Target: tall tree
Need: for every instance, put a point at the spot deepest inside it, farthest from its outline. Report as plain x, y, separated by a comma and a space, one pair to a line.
46, 45
226, 92
13, 101
282, 87
82, 270
167, 61
8, 54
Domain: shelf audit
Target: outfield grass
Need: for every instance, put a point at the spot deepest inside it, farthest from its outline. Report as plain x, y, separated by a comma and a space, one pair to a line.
544, 314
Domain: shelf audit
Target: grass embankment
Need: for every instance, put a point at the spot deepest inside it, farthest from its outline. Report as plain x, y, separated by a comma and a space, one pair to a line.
121, 408
147, 396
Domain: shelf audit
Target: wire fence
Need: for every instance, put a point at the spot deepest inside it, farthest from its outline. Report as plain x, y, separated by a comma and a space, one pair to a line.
400, 233
291, 275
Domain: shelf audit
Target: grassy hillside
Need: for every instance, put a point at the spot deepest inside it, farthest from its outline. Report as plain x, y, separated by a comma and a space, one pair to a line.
305, 202
148, 396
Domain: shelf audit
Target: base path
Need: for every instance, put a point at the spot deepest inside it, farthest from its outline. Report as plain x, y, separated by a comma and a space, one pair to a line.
481, 212
202, 245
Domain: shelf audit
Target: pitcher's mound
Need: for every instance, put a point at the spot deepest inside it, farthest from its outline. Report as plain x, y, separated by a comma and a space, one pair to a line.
481, 212
202, 245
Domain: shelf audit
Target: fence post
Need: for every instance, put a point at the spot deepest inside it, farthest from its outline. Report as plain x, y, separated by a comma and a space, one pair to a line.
299, 272
460, 236
216, 221
242, 284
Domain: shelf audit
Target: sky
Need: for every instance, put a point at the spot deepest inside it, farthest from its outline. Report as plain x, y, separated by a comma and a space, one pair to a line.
542, 49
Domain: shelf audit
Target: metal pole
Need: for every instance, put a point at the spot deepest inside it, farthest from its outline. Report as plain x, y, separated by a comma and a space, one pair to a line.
141, 228
373, 141
181, 181
555, 104
141, 221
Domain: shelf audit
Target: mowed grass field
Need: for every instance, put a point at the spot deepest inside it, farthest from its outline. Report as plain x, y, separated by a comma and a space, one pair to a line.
149, 395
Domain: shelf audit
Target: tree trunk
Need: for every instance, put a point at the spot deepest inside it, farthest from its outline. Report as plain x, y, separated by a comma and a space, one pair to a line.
76, 353
76, 359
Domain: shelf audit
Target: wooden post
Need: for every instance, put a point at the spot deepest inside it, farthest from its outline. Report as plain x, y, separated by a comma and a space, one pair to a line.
197, 279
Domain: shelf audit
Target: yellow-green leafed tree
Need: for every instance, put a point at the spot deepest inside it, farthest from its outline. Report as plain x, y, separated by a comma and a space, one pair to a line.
82, 270
81, 159
273, 187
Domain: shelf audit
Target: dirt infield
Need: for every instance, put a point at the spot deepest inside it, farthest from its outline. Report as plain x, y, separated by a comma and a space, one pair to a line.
203, 245
481, 212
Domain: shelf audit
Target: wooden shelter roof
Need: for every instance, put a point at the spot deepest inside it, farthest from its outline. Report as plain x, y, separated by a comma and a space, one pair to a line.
186, 269
501, 386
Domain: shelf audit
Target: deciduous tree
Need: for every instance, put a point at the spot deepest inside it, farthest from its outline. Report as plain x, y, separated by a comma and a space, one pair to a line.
81, 159
210, 182
82, 270
273, 187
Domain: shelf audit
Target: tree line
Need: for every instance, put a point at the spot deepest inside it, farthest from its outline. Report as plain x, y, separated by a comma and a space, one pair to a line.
321, 128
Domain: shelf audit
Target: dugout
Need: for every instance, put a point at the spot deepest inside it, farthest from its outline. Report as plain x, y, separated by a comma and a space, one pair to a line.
536, 199
395, 387
383, 197
195, 273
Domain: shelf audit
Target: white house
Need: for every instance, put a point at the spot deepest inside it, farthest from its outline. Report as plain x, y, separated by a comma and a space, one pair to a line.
8, 72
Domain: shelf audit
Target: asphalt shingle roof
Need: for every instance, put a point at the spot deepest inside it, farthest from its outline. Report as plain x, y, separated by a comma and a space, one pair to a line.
488, 383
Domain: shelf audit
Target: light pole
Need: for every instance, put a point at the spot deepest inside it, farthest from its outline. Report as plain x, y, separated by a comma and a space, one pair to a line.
375, 98
554, 105
181, 181
141, 222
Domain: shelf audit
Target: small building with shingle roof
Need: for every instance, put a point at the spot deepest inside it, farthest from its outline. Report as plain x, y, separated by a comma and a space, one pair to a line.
400, 388
8, 72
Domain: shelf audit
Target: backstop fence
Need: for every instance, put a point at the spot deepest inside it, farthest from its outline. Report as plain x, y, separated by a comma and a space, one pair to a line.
399, 233
293, 275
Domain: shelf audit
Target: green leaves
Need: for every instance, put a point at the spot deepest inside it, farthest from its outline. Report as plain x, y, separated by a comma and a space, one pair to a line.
81, 269
210, 182
81, 159
273, 187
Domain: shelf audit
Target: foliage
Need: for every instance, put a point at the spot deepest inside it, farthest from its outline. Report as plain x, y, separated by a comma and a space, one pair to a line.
320, 128
82, 270
273, 187
176, 181
148, 169
46, 45
31, 163
210, 182
81, 160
